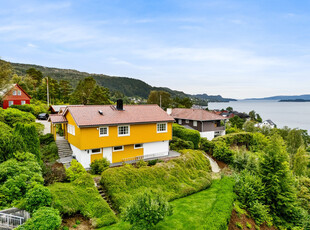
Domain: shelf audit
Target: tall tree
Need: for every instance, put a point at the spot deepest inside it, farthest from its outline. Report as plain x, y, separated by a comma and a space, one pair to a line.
35, 74
277, 179
301, 161
65, 89
99, 96
5, 73
160, 98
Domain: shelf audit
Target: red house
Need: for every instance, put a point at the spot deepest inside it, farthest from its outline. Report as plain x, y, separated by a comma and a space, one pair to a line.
15, 96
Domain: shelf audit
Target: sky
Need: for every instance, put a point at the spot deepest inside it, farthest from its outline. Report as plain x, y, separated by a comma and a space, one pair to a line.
238, 49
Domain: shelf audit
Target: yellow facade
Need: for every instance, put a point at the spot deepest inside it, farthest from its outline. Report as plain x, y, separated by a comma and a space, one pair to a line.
96, 157
128, 152
88, 138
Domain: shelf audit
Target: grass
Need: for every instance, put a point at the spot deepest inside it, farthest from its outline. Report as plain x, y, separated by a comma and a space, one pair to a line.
209, 209
177, 178
72, 198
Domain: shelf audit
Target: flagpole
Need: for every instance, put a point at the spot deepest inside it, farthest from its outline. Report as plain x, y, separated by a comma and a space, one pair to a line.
48, 96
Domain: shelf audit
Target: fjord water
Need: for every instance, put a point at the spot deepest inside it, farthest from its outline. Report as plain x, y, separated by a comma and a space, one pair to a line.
291, 114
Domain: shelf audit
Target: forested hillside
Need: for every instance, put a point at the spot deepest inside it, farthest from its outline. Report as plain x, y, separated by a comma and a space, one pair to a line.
130, 87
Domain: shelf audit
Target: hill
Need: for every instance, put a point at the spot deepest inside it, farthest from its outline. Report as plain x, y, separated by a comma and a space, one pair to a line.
130, 87
284, 97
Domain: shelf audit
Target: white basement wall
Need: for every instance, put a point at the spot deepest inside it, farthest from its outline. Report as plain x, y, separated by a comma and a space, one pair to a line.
160, 148
209, 135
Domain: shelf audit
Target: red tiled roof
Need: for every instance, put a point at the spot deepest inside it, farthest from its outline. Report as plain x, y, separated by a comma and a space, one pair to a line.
57, 118
88, 115
195, 114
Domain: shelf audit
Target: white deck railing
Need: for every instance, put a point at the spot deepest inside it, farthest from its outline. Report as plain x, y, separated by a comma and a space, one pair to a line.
142, 157
10, 221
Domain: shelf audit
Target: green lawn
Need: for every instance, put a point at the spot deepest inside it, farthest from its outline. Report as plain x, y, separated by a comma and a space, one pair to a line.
209, 209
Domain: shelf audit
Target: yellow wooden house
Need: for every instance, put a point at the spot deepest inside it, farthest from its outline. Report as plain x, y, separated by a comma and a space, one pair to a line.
118, 133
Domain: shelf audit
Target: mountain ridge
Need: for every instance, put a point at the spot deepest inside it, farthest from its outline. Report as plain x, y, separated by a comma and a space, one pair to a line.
283, 97
130, 87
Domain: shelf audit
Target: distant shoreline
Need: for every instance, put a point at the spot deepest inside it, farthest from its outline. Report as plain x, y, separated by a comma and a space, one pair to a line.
296, 100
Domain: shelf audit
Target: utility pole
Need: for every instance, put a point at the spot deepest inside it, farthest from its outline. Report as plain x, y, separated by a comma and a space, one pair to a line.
159, 100
48, 96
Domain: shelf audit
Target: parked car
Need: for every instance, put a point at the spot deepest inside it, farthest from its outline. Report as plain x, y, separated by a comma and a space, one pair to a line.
43, 116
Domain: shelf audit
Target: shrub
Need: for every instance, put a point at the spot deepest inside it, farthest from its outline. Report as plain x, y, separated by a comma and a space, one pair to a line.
12, 116
17, 176
46, 139
54, 173
249, 188
260, 212
206, 145
222, 152
45, 218
239, 225
141, 163
178, 144
248, 225
98, 166
146, 210
243, 159
35, 109
81, 196
38, 197
78, 222
75, 170
152, 162
176, 178
186, 134
49, 153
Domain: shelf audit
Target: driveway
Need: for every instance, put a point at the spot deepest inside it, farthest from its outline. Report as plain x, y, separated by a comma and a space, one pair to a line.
47, 126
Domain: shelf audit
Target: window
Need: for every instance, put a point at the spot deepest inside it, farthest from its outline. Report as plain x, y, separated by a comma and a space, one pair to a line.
103, 131
11, 103
118, 148
19, 92
194, 123
96, 150
180, 121
14, 92
162, 127
138, 146
23, 102
71, 129
187, 121
123, 130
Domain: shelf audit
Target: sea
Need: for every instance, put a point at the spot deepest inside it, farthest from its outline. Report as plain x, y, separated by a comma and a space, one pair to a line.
291, 114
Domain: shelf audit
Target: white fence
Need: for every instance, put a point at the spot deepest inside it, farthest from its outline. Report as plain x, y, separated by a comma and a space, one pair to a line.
143, 157
12, 218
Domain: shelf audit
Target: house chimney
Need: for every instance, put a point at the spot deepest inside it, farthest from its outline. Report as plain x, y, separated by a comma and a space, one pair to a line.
169, 111
119, 104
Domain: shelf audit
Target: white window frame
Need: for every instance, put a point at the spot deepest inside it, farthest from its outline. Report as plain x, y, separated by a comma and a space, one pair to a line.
19, 92
123, 135
11, 103
14, 92
180, 121
162, 131
187, 121
194, 123
71, 129
92, 151
138, 147
23, 102
104, 135
118, 150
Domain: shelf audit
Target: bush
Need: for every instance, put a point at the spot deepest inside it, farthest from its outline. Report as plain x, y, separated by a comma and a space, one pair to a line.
54, 173
12, 116
44, 218
35, 109
243, 159
206, 145
179, 144
98, 166
46, 139
152, 162
49, 153
260, 213
17, 176
222, 152
81, 196
186, 134
176, 178
141, 163
75, 170
38, 197
249, 188
146, 210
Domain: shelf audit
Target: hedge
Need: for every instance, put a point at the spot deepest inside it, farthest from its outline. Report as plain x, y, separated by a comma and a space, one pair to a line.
81, 196
186, 134
177, 178
179, 144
